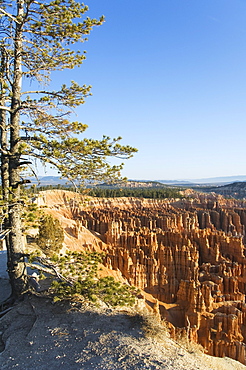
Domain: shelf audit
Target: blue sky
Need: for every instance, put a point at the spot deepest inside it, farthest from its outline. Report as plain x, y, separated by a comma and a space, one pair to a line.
169, 76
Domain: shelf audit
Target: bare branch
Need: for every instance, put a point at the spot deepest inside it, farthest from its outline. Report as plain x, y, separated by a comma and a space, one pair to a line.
48, 267
9, 15
41, 268
5, 108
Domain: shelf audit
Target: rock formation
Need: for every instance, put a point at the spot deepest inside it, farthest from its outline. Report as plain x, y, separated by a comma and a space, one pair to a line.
189, 254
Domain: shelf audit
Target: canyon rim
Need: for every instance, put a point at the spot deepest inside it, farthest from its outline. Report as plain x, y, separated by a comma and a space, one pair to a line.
187, 256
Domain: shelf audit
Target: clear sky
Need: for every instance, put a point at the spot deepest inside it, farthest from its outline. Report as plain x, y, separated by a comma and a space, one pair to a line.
169, 76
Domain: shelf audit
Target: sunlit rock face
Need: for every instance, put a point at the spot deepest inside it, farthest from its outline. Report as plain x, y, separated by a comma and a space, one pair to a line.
189, 254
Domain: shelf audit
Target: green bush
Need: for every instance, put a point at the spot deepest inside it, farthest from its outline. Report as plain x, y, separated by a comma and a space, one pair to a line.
75, 278
80, 272
51, 235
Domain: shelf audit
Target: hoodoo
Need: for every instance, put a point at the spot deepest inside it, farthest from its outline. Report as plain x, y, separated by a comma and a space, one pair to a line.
189, 254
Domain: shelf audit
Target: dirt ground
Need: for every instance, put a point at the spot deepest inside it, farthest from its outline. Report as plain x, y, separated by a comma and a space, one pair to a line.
37, 334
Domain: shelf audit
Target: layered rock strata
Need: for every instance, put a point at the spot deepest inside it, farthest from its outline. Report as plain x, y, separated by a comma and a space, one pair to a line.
188, 254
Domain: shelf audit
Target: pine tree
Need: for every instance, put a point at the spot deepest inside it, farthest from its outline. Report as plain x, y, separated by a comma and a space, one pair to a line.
51, 236
37, 38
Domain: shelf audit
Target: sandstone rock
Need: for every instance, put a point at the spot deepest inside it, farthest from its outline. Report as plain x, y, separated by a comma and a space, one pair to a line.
188, 254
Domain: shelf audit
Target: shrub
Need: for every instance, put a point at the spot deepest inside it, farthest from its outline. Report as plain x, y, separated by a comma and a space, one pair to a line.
51, 235
76, 278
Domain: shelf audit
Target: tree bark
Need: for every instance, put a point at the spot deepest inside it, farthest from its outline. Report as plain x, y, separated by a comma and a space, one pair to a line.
3, 133
4, 150
16, 265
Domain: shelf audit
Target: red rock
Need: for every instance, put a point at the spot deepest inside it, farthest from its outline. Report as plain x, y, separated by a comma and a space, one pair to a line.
188, 254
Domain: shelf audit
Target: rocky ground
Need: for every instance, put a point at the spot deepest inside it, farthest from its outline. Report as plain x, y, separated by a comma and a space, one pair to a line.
37, 334
5, 289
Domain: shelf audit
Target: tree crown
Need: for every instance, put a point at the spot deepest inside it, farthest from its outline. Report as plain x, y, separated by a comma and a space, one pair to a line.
37, 38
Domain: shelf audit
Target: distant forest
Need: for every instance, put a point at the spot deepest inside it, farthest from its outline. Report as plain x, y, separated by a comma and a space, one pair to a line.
153, 193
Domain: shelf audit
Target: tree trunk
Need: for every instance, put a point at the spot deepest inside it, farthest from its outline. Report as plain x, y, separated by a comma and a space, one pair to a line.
4, 150
16, 265
3, 133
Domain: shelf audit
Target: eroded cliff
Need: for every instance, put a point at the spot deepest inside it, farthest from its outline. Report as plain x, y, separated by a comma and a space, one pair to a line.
188, 254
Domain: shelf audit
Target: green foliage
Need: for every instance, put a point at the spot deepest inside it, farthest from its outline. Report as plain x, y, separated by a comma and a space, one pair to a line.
106, 289
115, 293
32, 256
51, 235
153, 193
31, 217
31, 213
38, 38
102, 192
78, 279
46, 32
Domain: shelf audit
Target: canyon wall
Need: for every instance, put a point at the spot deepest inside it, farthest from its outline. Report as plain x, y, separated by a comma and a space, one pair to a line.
189, 254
